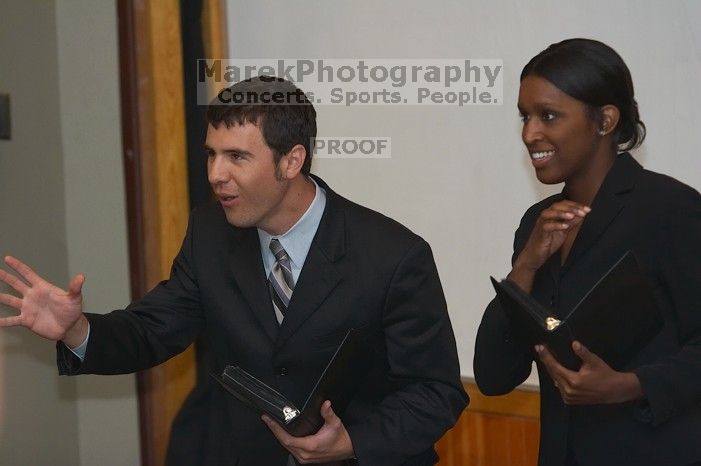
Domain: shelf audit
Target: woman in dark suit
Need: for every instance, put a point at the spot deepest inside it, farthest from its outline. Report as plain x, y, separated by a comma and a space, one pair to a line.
579, 120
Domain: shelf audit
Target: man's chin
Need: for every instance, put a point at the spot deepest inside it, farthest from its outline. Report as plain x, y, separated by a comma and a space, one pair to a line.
238, 221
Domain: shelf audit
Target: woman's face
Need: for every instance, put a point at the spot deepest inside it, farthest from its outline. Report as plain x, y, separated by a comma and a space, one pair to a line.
561, 137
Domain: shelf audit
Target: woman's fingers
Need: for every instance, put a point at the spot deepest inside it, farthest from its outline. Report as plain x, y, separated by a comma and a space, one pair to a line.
567, 211
550, 227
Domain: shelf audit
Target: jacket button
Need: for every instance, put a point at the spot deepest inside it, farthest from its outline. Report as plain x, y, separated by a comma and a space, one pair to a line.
282, 370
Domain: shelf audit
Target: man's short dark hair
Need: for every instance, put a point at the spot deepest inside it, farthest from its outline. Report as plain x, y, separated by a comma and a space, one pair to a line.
280, 109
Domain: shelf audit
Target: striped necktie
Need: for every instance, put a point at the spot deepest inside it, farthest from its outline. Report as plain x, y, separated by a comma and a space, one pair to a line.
280, 281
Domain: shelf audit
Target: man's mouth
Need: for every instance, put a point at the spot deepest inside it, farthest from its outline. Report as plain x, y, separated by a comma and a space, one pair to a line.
227, 200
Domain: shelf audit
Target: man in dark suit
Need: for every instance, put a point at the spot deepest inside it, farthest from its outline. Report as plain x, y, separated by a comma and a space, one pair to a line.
273, 275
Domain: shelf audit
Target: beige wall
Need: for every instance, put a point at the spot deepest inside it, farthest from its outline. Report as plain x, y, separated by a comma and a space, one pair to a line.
40, 424
62, 209
95, 212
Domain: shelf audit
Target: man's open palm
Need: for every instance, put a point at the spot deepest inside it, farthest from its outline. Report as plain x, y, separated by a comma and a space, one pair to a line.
44, 308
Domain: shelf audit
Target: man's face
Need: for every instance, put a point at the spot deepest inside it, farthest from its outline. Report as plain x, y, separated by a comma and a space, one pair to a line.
244, 177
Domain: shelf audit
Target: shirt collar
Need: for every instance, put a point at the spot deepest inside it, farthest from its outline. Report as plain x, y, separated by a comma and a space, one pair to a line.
298, 239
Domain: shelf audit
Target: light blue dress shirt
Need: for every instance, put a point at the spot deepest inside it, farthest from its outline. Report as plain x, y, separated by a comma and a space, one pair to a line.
297, 240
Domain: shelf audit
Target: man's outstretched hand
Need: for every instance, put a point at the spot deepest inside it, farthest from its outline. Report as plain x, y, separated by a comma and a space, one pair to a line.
331, 443
44, 308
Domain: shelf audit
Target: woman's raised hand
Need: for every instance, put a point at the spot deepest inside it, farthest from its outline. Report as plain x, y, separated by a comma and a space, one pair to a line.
547, 237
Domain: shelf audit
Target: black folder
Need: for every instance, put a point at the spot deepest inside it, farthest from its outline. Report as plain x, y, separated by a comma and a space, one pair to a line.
338, 383
614, 319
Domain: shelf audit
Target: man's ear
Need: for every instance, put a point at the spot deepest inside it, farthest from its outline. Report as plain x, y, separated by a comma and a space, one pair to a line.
293, 161
609, 119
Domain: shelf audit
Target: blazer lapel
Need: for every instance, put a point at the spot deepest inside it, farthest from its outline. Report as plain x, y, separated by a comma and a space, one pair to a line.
606, 206
320, 273
248, 273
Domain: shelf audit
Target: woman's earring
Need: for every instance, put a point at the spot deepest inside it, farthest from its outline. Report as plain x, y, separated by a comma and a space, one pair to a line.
602, 132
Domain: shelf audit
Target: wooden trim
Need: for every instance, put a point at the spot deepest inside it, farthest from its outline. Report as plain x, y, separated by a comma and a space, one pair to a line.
155, 173
494, 431
130, 145
165, 200
214, 29
153, 133
215, 37
522, 402
131, 157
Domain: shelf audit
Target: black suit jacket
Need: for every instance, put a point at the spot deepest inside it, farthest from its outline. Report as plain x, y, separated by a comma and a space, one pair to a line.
363, 270
659, 219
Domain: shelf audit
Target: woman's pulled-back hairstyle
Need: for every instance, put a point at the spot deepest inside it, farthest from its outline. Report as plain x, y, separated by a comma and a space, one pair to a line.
593, 73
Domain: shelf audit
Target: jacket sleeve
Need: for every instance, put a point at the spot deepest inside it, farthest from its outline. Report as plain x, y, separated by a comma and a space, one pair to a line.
672, 384
423, 364
502, 362
149, 331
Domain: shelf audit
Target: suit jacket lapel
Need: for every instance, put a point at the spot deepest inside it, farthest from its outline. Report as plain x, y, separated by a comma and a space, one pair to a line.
248, 273
320, 274
606, 206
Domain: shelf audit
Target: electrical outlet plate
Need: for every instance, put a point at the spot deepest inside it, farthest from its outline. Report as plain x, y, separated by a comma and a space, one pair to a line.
4, 116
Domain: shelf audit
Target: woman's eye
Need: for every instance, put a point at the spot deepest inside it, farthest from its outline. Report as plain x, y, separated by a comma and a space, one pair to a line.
524, 118
548, 116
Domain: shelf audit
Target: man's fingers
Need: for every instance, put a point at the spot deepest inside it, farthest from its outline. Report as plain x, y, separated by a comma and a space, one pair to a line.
9, 300
326, 411
329, 416
12, 321
76, 285
280, 433
294, 445
16, 284
23, 269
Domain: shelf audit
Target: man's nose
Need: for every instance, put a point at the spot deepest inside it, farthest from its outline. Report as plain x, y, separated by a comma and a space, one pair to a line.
216, 169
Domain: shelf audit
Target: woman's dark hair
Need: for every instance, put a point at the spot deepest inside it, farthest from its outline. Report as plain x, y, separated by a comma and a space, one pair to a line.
592, 72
